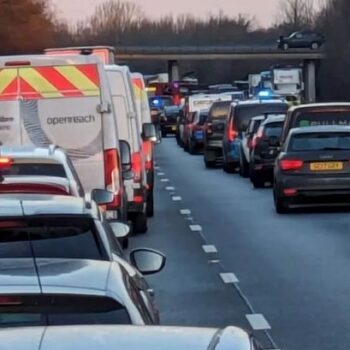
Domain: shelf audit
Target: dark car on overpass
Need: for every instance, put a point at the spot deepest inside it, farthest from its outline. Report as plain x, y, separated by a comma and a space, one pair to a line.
301, 40
313, 168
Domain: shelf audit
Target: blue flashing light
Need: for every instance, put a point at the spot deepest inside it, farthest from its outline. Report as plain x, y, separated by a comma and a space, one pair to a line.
156, 102
265, 93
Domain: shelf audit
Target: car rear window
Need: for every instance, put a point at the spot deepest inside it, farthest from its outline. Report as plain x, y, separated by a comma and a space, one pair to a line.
321, 117
34, 169
219, 110
60, 310
320, 142
66, 238
273, 129
243, 113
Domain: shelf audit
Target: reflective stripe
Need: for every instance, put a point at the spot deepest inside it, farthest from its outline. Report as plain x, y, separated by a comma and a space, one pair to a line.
7, 76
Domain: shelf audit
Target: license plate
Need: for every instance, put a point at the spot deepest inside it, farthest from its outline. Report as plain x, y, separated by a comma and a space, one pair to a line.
326, 166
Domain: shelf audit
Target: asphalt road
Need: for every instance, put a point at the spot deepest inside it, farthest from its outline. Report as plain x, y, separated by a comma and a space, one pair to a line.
292, 269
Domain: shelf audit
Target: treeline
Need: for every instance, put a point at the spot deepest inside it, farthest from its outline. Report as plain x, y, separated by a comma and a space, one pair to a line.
31, 25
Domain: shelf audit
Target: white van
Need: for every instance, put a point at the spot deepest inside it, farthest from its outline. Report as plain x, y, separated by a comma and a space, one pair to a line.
129, 128
144, 117
64, 101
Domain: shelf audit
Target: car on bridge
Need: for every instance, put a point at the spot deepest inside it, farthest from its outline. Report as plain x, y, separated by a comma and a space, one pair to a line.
301, 40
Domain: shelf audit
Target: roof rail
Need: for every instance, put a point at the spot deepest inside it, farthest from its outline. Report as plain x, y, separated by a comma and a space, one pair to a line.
52, 149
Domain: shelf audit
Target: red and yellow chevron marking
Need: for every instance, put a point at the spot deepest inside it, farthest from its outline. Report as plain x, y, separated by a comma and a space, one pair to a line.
49, 82
138, 88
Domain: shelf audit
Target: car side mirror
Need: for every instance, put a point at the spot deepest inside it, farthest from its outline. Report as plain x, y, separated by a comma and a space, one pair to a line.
274, 141
120, 230
148, 261
125, 154
149, 132
102, 197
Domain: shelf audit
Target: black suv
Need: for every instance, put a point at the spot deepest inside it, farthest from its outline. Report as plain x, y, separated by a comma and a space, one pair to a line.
265, 150
300, 40
168, 122
213, 132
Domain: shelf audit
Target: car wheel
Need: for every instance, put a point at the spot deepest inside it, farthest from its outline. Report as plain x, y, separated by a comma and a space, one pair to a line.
258, 182
209, 164
229, 168
281, 204
314, 46
150, 205
192, 147
243, 165
285, 46
139, 223
164, 133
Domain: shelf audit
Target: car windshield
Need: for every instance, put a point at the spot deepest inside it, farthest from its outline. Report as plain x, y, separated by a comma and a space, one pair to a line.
322, 117
60, 310
44, 237
320, 142
219, 110
34, 169
243, 113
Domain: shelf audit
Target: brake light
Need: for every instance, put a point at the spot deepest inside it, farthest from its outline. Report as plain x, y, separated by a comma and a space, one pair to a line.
138, 199
231, 132
256, 138
137, 166
9, 300
290, 164
17, 63
147, 148
290, 192
5, 162
112, 176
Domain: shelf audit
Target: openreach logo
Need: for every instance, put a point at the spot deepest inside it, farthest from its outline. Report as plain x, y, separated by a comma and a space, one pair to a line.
87, 119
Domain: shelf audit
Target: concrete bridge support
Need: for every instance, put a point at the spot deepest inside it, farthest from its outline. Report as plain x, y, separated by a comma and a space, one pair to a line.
310, 81
173, 71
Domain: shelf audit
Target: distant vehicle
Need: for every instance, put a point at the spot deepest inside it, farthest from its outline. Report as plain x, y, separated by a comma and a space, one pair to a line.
239, 116
214, 131
316, 114
61, 228
313, 168
303, 39
222, 88
265, 150
28, 169
160, 101
104, 337
196, 134
234, 95
247, 144
168, 123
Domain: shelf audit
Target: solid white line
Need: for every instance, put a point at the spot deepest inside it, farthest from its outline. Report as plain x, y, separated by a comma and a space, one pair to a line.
164, 180
229, 277
177, 198
209, 249
214, 261
185, 212
170, 188
258, 322
195, 228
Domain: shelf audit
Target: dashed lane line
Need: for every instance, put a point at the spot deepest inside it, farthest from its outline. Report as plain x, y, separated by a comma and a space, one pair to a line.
195, 228
177, 198
170, 188
209, 249
164, 180
258, 322
229, 277
185, 211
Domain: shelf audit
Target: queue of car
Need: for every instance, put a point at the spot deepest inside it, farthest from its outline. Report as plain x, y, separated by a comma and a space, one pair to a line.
302, 151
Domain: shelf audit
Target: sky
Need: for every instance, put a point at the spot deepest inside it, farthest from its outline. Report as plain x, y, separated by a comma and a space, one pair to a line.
265, 11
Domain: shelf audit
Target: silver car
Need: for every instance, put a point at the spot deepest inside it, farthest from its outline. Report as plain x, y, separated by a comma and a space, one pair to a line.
126, 338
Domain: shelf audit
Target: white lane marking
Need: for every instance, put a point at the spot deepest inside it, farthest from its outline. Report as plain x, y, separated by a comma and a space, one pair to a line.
161, 174
195, 228
177, 198
185, 212
164, 180
209, 249
214, 261
157, 168
229, 277
170, 188
258, 322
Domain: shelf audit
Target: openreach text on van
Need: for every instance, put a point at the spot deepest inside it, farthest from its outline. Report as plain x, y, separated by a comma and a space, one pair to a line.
71, 120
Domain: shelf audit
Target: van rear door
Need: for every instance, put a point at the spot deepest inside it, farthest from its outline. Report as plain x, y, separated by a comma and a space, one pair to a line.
45, 105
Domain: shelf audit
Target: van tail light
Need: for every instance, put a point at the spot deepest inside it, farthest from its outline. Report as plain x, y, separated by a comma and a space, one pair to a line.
136, 162
256, 138
209, 129
290, 192
290, 164
5, 162
232, 134
147, 148
112, 176
10, 300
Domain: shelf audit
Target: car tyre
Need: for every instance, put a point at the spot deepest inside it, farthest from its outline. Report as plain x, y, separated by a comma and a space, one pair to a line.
243, 165
281, 205
150, 205
192, 147
229, 168
258, 182
209, 164
139, 223
164, 133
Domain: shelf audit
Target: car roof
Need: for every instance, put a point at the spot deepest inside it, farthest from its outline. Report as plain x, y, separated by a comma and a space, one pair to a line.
259, 117
275, 118
321, 128
124, 337
43, 204
61, 276
257, 102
